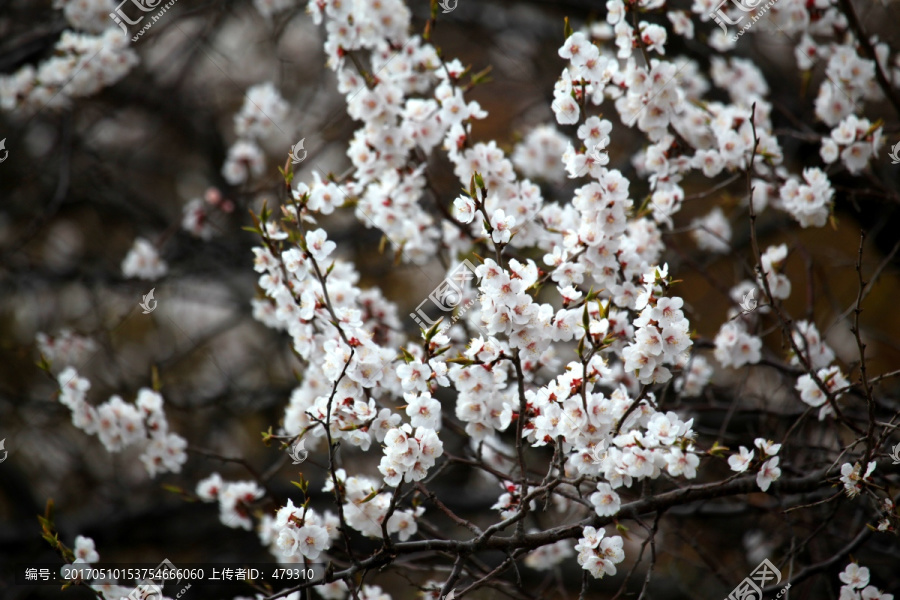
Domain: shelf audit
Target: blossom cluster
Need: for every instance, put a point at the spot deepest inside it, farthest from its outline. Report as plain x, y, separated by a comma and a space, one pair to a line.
824, 380
393, 125
856, 584
735, 347
65, 348
590, 240
119, 424
234, 498
94, 54
197, 213
333, 323
301, 532
85, 552
511, 500
365, 509
812, 394
547, 557
598, 554
408, 455
81, 65
772, 262
814, 351
855, 141
768, 462
713, 232
809, 201
85, 15
605, 438
850, 80
853, 478
537, 155
599, 413
143, 261
263, 115
661, 332
696, 374
579, 276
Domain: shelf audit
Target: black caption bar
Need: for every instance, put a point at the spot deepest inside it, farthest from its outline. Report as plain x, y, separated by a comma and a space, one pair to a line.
167, 573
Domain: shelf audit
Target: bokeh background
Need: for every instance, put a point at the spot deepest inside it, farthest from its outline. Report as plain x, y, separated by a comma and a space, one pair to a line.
80, 184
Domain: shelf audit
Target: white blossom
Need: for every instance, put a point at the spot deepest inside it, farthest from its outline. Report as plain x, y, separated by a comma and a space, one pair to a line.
84, 550
143, 261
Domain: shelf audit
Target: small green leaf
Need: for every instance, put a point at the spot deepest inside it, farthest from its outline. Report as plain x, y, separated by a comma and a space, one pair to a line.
480, 77
43, 363
717, 450
302, 484
407, 357
267, 436
370, 497
465, 362
441, 351
156, 383
434, 329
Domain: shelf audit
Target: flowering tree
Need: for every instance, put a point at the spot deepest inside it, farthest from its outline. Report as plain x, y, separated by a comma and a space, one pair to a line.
556, 367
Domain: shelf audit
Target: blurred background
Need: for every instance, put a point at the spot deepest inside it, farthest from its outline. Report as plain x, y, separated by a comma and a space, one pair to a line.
82, 181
